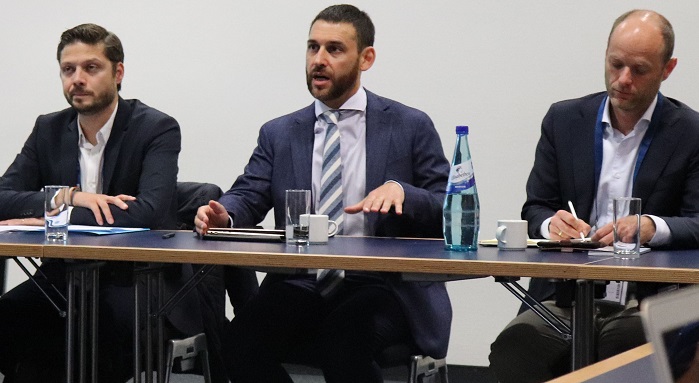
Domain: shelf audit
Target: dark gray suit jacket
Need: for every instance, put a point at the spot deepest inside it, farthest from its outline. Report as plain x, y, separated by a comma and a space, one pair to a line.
564, 170
140, 160
402, 145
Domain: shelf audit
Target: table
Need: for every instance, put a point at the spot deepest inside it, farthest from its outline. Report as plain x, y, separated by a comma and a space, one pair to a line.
424, 257
635, 365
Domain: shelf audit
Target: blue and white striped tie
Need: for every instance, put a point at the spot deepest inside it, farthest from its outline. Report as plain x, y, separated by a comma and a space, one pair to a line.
330, 201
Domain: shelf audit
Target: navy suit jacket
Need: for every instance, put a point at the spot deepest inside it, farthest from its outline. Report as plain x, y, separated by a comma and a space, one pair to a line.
401, 145
667, 181
140, 159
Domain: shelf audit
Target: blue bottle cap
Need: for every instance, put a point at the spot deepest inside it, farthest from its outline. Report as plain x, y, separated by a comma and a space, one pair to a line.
462, 129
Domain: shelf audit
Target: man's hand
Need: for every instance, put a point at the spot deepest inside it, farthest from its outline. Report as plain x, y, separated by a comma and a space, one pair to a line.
99, 204
564, 226
380, 200
211, 215
23, 222
605, 234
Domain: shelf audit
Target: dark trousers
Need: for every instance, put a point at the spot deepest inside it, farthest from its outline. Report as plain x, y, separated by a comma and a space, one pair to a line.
341, 335
32, 334
529, 351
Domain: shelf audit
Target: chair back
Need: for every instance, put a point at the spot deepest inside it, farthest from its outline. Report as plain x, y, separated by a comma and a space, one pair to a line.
190, 196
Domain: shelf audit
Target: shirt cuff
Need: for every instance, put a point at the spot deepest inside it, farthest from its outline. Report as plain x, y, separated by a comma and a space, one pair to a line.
544, 229
397, 183
663, 235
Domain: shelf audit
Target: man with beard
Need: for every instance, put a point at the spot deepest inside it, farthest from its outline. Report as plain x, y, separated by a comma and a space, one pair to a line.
628, 141
392, 183
122, 156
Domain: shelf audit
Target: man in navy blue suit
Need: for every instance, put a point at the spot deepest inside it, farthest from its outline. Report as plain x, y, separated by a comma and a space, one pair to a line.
628, 141
393, 180
124, 155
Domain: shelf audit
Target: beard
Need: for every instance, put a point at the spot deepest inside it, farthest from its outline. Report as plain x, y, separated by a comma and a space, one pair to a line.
339, 87
100, 102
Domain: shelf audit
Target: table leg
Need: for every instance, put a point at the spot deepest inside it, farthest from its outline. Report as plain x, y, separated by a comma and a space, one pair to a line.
94, 326
583, 324
136, 340
149, 328
161, 335
69, 325
82, 326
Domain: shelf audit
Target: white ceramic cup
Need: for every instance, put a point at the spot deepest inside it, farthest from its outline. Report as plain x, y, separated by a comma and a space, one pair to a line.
319, 227
511, 234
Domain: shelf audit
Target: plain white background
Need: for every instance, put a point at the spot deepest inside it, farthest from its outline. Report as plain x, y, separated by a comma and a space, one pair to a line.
223, 68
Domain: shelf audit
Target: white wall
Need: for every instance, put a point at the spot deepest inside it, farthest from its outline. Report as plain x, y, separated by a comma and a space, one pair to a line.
223, 68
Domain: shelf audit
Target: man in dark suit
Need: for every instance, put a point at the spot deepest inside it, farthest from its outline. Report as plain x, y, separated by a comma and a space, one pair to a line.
124, 156
393, 181
628, 141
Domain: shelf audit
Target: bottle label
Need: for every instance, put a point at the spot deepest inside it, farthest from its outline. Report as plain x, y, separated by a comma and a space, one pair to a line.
461, 177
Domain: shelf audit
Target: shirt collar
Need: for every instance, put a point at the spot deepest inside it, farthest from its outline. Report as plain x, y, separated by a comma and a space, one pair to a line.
646, 116
356, 102
104, 132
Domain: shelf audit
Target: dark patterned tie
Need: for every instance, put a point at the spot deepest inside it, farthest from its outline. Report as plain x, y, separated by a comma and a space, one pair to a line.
330, 201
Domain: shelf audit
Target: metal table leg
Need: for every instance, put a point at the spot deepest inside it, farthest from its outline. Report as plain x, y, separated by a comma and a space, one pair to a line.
583, 324
136, 337
70, 275
94, 332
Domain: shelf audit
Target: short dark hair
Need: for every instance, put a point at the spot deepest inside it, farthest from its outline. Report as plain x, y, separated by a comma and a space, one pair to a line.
94, 34
665, 28
345, 13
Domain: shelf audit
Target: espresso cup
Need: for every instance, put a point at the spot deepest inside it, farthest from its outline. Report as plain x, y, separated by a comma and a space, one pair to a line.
319, 227
511, 234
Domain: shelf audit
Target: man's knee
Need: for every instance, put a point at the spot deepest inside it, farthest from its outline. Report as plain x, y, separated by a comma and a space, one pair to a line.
522, 353
619, 334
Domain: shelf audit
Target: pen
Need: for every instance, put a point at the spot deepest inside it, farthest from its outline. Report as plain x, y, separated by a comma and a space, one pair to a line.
168, 235
575, 215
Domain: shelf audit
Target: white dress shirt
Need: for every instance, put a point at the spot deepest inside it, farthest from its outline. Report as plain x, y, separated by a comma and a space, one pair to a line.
352, 127
619, 154
91, 158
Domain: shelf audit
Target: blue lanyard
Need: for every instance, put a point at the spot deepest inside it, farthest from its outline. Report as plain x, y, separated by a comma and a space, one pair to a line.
642, 149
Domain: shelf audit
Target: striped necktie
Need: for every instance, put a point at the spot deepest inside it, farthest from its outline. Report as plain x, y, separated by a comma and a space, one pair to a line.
330, 201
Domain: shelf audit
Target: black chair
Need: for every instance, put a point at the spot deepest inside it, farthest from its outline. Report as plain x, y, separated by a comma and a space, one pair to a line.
185, 351
241, 284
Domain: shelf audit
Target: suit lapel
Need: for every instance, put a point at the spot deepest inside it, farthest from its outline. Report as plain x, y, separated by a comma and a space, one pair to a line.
69, 154
379, 129
659, 152
111, 151
301, 142
581, 132
378, 140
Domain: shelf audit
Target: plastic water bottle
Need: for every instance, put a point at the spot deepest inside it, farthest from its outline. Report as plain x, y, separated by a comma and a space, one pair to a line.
461, 207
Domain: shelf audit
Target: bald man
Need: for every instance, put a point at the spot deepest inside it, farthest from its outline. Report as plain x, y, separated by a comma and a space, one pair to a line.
628, 141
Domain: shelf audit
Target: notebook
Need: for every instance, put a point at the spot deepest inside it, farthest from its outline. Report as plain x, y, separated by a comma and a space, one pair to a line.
671, 323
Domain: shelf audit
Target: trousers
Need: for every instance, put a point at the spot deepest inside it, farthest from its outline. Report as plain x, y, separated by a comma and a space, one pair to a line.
341, 334
528, 350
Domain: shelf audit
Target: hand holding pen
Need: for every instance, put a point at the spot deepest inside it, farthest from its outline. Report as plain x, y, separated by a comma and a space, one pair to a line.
575, 215
566, 225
